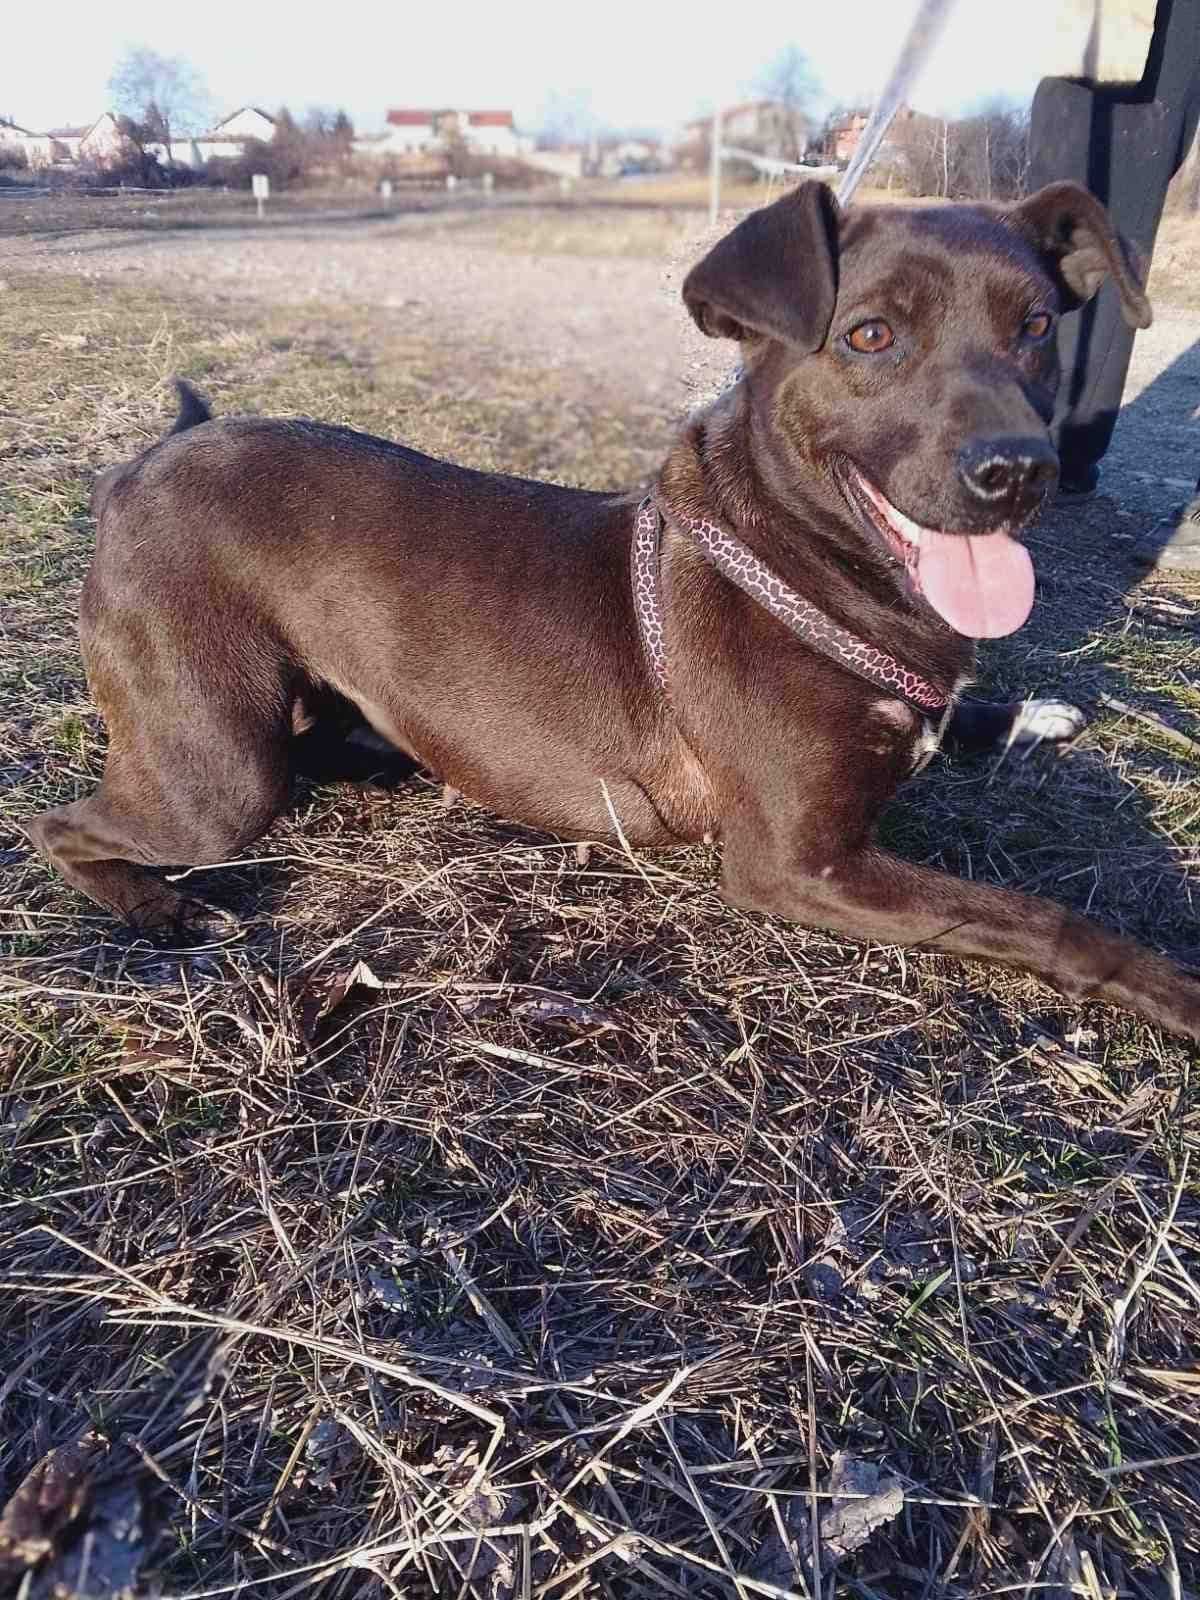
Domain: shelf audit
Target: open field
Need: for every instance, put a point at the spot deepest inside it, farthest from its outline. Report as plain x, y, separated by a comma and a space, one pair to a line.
480, 1224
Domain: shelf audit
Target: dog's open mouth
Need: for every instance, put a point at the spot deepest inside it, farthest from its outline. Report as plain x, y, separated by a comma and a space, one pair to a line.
981, 584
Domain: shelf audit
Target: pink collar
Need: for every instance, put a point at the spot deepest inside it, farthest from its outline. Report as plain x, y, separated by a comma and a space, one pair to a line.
742, 567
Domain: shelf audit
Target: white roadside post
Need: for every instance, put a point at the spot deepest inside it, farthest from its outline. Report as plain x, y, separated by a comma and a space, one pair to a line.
385, 192
261, 186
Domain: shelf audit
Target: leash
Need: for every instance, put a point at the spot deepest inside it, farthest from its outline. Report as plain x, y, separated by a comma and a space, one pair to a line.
923, 34
723, 550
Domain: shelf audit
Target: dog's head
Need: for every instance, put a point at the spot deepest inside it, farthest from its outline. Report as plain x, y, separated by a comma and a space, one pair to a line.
909, 354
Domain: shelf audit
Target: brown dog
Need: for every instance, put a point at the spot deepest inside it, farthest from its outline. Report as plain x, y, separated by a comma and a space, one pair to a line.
761, 651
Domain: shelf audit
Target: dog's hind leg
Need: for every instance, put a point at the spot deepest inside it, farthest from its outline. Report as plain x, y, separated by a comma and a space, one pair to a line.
193, 794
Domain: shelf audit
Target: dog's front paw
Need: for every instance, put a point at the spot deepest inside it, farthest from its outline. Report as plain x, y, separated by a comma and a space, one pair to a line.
1046, 722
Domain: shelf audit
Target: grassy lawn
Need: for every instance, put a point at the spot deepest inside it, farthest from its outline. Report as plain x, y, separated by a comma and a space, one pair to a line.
480, 1223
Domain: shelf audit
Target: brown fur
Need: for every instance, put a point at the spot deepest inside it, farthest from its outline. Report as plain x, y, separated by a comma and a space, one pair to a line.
250, 574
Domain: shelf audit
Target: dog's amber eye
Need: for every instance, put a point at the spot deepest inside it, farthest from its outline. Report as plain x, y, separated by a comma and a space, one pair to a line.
869, 338
1038, 326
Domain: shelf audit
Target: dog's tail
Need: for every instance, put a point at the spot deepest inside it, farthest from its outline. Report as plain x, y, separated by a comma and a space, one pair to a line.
193, 409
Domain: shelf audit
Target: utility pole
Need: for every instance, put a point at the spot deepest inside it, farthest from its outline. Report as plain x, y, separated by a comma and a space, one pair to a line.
714, 175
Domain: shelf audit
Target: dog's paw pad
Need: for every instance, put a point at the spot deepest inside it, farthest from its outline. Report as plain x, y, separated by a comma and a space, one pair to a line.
1047, 722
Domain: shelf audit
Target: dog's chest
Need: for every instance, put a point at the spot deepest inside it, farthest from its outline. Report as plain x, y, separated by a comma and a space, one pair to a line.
686, 798
893, 729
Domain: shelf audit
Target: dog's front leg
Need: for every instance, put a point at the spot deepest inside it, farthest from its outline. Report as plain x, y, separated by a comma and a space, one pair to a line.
871, 894
978, 726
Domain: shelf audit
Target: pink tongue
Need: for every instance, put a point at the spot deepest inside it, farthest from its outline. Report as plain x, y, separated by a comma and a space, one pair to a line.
982, 586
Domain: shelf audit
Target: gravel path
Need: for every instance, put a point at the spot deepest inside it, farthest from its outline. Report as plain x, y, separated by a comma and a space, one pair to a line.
602, 318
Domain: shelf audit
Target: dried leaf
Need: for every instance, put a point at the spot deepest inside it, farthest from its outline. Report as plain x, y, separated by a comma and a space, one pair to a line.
490, 1566
320, 999
144, 1047
856, 1500
328, 1450
562, 1008
83, 1535
871, 1501
51, 1496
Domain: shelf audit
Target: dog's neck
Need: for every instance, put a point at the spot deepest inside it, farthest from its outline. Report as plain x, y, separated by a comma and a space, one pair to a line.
729, 462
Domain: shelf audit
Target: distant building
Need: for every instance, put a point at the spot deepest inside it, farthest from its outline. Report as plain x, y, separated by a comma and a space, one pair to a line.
225, 142
564, 161
843, 137
99, 142
247, 122
767, 127
599, 158
412, 132
617, 156
844, 133
68, 140
37, 148
102, 142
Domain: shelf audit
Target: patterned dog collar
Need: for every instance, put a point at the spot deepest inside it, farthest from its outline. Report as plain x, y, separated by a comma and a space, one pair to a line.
741, 566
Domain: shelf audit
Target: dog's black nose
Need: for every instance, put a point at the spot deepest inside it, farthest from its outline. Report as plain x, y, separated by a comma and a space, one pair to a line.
1009, 473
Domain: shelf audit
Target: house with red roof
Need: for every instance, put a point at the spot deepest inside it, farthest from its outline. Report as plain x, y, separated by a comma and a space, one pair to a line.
415, 131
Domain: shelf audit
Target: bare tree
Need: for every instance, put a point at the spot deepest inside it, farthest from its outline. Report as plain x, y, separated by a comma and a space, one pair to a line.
329, 137
165, 94
567, 117
992, 152
790, 84
1009, 150
980, 157
136, 136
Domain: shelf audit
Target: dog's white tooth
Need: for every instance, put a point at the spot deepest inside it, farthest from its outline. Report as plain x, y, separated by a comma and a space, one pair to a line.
909, 529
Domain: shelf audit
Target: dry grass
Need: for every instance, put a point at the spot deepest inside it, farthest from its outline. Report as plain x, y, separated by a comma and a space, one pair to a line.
562, 1253
649, 232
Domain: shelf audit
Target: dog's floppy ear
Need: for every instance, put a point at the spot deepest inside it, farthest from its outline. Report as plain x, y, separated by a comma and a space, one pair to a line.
775, 274
1072, 229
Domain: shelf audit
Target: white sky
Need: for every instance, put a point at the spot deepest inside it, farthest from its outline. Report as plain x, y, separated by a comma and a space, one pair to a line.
650, 63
